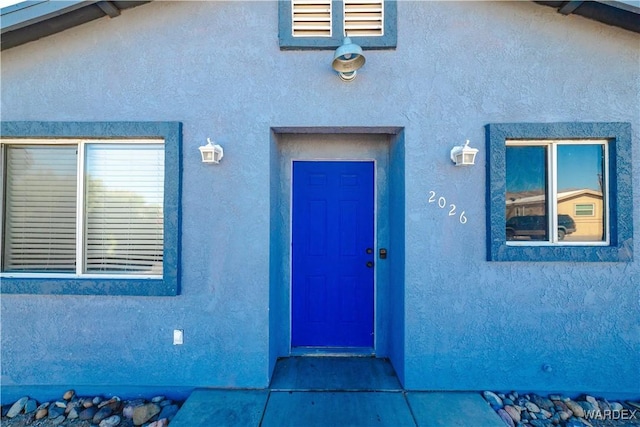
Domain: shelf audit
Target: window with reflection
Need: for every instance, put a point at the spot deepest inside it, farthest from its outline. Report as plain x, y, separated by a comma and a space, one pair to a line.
555, 192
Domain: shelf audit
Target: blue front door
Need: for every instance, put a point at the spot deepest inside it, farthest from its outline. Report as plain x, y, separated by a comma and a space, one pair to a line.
332, 292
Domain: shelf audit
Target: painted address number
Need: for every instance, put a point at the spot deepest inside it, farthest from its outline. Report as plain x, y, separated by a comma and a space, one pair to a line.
442, 203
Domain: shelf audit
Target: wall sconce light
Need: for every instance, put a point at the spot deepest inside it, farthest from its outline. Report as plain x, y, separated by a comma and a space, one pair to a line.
211, 153
464, 155
347, 59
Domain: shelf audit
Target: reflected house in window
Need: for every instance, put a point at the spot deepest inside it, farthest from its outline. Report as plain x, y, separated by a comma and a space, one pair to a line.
580, 215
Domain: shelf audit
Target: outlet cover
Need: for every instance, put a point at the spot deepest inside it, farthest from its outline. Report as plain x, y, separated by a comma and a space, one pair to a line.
178, 337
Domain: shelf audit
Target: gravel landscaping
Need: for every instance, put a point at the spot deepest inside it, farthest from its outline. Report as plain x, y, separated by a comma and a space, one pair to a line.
558, 410
90, 411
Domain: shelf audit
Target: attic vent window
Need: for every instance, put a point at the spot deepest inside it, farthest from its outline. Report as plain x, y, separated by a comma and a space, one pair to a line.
363, 18
311, 18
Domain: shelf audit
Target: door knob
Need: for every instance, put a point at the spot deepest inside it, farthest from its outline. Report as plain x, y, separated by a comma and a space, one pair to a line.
370, 264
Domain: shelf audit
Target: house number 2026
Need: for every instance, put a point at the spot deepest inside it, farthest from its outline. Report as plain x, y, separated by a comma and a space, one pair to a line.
442, 204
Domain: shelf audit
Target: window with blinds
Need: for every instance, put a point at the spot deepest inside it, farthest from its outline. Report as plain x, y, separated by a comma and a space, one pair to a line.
93, 207
311, 18
124, 190
363, 18
40, 209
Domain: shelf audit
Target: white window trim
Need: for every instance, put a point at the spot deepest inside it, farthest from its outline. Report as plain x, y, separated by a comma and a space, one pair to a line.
80, 175
552, 207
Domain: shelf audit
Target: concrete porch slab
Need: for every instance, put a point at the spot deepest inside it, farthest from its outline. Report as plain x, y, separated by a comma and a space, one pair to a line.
313, 408
206, 408
452, 409
335, 374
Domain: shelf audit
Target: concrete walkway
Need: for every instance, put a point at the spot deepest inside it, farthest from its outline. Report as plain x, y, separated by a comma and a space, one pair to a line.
334, 391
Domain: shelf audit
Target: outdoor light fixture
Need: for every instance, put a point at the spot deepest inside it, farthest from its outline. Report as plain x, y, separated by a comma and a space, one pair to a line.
464, 155
211, 153
347, 59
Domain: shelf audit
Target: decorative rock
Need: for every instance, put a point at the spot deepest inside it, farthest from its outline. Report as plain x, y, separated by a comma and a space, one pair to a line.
170, 411
88, 413
55, 411
41, 413
493, 399
542, 402
565, 415
30, 406
616, 406
72, 414
58, 420
574, 422
545, 414
604, 405
506, 418
144, 413
157, 399
575, 408
531, 407
17, 407
68, 395
102, 413
166, 402
112, 421
128, 409
112, 413
513, 413
635, 405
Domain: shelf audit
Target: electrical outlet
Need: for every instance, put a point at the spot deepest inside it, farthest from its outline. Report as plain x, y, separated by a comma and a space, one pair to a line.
178, 337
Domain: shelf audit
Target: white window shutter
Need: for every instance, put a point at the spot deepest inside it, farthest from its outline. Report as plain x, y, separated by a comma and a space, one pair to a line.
363, 18
311, 18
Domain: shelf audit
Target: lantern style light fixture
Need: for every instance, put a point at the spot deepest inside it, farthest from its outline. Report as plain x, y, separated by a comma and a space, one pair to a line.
347, 59
211, 153
463, 155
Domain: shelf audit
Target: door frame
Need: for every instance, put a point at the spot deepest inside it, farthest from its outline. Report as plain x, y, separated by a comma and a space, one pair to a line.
386, 146
333, 350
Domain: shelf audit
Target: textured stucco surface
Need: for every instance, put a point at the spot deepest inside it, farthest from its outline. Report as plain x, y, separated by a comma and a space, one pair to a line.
217, 68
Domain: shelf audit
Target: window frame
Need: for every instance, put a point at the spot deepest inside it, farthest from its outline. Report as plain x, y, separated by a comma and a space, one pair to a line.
288, 42
552, 173
92, 284
619, 190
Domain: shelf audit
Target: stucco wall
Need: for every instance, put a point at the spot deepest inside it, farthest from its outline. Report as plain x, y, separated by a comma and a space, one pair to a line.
217, 68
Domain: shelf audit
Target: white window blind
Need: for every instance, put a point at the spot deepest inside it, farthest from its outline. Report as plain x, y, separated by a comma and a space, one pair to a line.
363, 18
311, 18
124, 193
40, 208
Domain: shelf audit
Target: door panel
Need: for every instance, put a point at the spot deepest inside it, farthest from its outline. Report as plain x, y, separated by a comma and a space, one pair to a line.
332, 289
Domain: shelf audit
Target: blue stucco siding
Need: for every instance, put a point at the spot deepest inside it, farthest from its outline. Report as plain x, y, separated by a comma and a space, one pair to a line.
455, 320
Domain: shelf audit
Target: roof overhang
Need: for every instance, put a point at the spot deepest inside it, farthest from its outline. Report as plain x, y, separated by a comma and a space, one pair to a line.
623, 14
31, 20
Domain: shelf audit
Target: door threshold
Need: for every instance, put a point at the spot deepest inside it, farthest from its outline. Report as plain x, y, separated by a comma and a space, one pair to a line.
333, 351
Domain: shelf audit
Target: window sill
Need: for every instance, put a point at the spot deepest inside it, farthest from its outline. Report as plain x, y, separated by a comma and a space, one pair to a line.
88, 286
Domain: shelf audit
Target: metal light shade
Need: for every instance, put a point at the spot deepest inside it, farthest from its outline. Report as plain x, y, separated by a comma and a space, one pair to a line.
347, 59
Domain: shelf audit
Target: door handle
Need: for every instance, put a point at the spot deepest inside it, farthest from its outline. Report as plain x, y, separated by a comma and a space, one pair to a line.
370, 264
